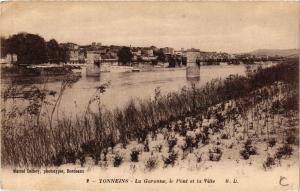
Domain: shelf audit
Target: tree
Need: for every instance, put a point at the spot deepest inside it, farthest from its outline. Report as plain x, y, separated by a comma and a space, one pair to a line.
161, 57
64, 54
29, 48
125, 55
53, 51
2, 47
172, 62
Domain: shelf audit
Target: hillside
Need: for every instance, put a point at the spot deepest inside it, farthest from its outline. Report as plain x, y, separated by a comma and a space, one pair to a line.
274, 52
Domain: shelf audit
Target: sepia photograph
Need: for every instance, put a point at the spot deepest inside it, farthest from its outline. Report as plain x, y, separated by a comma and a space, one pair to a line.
149, 95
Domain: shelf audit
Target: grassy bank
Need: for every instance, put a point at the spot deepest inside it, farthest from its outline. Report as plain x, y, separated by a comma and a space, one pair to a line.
93, 135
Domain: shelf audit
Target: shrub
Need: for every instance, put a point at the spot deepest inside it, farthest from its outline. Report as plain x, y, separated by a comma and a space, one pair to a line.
205, 135
272, 142
269, 162
291, 139
224, 136
248, 150
134, 156
64, 157
118, 160
291, 103
171, 159
286, 150
171, 143
199, 158
146, 148
151, 163
245, 154
215, 154
189, 142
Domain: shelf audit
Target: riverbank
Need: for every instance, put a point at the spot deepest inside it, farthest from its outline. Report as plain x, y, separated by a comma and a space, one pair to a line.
150, 125
233, 143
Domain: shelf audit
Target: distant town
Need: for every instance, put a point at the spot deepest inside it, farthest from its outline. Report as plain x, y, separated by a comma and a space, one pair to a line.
20, 49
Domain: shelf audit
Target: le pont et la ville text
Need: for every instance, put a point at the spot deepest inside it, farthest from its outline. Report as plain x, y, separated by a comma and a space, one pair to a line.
47, 171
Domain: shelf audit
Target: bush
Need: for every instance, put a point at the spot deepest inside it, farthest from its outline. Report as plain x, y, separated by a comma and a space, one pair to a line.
286, 150
151, 163
189, 142
118, 160
291, 139
245, 154
64, 157
171, 159
248, 150
171, 143
272, 142
269, 162
134, 156
199, 158
224, 136
215, 154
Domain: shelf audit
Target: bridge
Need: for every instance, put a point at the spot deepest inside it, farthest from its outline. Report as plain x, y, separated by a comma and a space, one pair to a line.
238, 60
194, 60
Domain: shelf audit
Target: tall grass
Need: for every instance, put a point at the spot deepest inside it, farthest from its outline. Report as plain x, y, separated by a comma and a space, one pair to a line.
47, 143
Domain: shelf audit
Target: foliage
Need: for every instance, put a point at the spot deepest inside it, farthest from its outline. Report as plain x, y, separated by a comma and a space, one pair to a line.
134, 156
215, 154
118, 160
125, 55
248, 150
161, 57
171, 159
270, 161
272, 142
53, 51
151, 163
284, 151
30, 48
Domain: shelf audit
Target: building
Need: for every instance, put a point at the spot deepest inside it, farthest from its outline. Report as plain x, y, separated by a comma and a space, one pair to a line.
147, 52
96, 45
11, 59
137, 52
168, 50
81, 56
69, 46
178, 53
74, 56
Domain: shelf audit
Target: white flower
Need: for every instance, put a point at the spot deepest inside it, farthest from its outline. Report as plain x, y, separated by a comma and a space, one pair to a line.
205, 123
191, 134
181, 142
197, 131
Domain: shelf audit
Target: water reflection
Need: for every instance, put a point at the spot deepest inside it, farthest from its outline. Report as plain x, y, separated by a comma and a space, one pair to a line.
93, 78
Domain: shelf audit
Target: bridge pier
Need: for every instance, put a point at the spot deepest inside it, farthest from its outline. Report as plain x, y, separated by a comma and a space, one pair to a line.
193, 66
93, 70
93, 64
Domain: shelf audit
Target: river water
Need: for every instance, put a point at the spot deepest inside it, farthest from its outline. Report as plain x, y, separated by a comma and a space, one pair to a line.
133, 85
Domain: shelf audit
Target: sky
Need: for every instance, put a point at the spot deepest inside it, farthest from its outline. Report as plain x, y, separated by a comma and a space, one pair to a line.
210, 26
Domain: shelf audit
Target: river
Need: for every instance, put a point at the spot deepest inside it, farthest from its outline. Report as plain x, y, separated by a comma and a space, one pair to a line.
133, 85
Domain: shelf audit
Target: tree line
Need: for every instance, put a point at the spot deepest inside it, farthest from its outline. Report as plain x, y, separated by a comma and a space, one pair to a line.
33, 49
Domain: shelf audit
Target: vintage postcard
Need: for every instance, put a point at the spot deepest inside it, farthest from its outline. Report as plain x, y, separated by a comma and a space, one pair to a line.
158, 95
